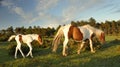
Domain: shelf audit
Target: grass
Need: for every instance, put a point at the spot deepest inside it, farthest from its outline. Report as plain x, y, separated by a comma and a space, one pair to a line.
107, 56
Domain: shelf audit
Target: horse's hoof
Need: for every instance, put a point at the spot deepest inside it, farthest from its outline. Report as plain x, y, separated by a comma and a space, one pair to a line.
23, 56
78, 52
92, 51
31, 56
64, 55
26, 56
15, 57
54, 51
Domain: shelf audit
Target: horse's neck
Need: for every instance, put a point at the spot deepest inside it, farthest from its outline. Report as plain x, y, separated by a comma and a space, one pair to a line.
98, 32
95, 30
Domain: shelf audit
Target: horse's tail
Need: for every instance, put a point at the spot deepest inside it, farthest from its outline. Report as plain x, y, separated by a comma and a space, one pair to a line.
11, 37
57, 38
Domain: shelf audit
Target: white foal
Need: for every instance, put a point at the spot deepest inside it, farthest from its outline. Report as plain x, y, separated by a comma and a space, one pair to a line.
25, 39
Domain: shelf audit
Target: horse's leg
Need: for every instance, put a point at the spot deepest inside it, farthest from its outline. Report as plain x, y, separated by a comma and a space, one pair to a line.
80, 46
16, 52
19, 47
30, 51
91, 46
65, 47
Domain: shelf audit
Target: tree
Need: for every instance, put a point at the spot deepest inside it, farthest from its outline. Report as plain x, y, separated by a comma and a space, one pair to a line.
92, 21
74, 23
114, 27
29, 30
10, 31
107, 27
20, 30
50, 31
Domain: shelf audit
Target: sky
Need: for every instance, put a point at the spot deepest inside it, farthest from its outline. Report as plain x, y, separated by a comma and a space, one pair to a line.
52, 13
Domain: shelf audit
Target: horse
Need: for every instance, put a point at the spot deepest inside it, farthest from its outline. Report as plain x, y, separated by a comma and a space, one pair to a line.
98, 33
79, 34
25, 39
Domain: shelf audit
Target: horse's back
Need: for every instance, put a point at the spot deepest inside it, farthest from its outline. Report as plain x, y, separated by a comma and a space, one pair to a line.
27, 38
23, 38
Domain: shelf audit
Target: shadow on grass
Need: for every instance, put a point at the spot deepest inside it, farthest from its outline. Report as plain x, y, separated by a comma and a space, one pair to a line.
103, 62
110, 43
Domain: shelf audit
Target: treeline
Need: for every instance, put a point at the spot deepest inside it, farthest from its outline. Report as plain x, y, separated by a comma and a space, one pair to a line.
109, 27
46, 32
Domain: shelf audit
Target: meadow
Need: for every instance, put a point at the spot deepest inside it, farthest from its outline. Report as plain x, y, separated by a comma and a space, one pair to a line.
108, 55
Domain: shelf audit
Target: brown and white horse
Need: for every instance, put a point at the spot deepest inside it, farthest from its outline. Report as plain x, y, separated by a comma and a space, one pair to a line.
25, 39
79, 34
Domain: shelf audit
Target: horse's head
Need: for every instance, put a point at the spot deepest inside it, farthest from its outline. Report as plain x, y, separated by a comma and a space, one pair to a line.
102, 37
39, 39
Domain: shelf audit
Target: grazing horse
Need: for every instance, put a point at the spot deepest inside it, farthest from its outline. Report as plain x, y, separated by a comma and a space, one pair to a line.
25, 39
98, 33
79, 34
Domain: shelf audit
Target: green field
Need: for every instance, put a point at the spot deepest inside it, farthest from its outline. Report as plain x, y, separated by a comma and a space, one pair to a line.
107, 56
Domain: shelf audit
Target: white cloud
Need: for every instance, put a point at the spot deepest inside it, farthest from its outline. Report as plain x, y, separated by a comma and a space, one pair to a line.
52, 25
75, 7
70, 12
43, 5
41, 11
17, 10
49, 20
6, 3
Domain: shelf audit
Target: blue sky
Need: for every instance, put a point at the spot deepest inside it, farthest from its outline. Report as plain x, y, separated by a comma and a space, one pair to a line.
51, 13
